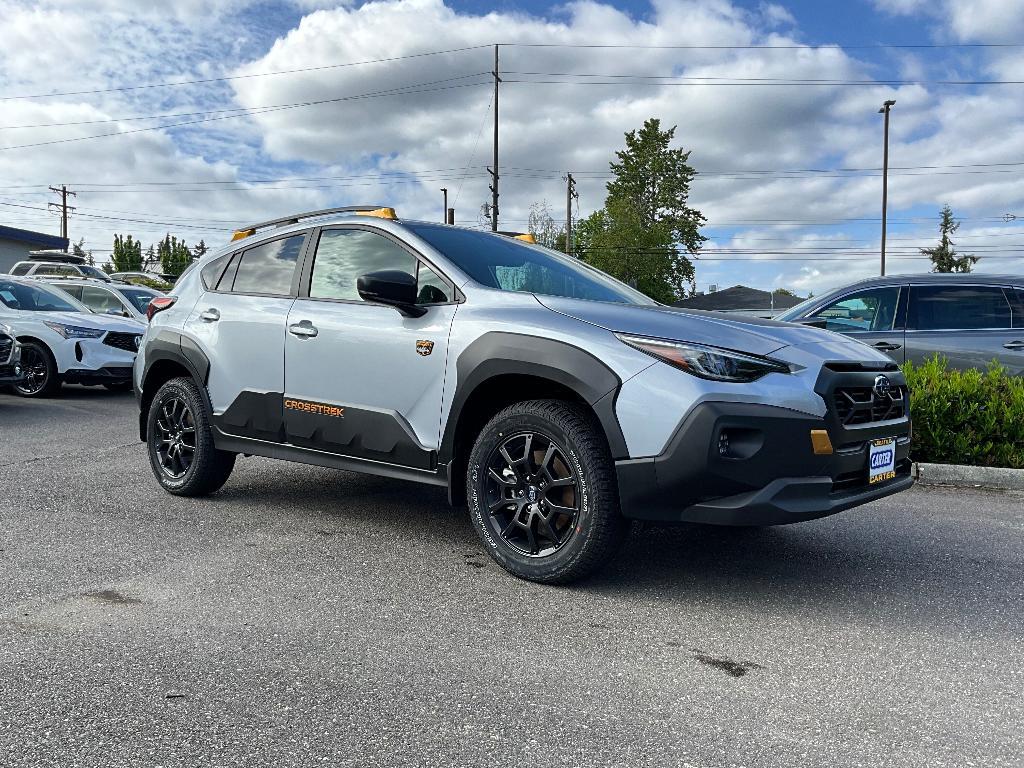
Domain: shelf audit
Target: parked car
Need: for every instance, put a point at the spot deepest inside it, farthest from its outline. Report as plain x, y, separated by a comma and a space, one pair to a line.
57, 264
148, 279
109, 298
10, 357
971, 319
556, 401
62, 341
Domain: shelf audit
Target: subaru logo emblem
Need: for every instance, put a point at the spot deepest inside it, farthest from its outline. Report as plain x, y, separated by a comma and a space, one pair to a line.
882, 386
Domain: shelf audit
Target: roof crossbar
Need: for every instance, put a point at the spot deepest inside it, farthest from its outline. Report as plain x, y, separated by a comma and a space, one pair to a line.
295, 218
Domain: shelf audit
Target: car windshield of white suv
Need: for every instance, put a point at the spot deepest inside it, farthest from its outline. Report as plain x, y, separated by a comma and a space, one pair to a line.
499, 261
32, 298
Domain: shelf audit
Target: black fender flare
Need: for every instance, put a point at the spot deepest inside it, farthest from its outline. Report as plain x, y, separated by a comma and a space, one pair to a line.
172, 346
498, 353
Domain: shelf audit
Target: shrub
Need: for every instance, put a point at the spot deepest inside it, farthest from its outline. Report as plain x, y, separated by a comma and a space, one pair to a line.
966, 417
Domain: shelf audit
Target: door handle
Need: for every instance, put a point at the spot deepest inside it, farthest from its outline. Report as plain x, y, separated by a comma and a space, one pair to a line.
211, 315
885, 346
1014, 345
304, 330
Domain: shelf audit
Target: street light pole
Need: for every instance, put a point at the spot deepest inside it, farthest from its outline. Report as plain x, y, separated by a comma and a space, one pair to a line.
886, 106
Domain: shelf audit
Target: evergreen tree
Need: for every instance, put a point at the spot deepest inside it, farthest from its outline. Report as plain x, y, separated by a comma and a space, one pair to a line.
127, 254
174, 255
199, 249
646, 228
944, 257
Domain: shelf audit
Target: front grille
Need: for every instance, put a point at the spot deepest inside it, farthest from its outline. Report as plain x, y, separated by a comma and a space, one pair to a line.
125, 341
6, 346
861, 405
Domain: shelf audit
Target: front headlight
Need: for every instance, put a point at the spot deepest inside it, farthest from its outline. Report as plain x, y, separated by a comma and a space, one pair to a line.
74, 331
706, 362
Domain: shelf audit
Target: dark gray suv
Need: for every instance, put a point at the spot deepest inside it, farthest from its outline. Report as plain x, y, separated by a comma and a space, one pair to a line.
970, 319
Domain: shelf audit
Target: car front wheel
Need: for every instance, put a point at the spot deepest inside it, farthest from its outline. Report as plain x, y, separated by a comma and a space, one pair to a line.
40, 369
180, 440
542, 493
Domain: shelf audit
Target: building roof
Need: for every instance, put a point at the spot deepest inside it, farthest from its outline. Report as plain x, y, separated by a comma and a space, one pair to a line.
40, 239
739, 297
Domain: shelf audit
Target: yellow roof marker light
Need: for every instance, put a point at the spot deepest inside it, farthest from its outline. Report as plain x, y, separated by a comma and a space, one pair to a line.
242, 233
380, 213
526, 237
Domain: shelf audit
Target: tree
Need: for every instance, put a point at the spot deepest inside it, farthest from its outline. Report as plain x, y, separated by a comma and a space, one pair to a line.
151, 261
646, 227
199, 249
174, 255
127, 254
944, 257
543, 228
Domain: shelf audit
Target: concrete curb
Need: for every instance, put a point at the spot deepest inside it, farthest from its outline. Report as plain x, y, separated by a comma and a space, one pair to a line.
969, 477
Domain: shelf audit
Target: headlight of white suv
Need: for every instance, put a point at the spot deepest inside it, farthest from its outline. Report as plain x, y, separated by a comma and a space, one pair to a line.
706, 362
75, 331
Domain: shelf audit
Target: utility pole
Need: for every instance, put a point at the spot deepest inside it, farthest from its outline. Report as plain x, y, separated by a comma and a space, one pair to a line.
886, 106
444, 211
63, 192
494, 171
570, 193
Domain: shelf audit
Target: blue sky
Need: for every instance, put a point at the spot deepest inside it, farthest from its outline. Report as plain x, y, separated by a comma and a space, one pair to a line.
198, 180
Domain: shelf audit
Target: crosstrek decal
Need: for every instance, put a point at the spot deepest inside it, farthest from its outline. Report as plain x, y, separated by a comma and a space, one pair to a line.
424, 347
319, 408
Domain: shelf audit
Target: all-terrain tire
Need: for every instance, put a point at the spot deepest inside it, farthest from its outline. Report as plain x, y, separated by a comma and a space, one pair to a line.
178, 415
594, 531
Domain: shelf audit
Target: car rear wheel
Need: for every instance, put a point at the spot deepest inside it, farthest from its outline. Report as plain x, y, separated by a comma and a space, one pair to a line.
181, 450
542, 492
41, 377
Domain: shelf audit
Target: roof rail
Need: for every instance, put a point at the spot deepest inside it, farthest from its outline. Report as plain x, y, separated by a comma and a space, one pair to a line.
295, 218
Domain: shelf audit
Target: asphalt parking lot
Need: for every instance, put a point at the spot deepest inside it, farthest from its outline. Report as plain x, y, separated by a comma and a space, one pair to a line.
304, 616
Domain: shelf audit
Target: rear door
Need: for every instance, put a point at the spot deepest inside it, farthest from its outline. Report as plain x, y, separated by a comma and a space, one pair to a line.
970, 325
239, 323
874, 316
363, 380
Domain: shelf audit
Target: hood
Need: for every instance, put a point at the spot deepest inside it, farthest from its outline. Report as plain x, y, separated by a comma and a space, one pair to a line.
749, 334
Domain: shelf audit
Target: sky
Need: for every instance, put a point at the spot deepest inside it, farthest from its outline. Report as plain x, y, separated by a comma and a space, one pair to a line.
199, 116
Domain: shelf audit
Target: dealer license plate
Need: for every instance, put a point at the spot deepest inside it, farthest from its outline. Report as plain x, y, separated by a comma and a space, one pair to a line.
882, 460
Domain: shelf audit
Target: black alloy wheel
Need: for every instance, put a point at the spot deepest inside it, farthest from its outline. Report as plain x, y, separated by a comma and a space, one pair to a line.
39, 369
176, 437
532, 494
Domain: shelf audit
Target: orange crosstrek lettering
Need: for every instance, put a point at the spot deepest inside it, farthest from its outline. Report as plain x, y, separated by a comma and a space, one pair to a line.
319, 408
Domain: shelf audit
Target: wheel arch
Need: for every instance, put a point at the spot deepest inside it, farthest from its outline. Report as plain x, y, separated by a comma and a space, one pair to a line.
170, 356
499, 369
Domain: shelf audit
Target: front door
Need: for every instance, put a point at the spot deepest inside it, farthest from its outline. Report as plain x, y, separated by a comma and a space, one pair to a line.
872, 316
364, 380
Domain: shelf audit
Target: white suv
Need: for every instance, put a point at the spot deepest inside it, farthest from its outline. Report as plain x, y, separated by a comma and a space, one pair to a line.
63, 342
57, 269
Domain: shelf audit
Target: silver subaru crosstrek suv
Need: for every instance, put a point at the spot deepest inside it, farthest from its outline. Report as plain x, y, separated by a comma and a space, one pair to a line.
555, 402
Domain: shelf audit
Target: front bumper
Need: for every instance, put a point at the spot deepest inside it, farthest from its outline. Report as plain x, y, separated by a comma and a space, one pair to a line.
770, 474
111, 374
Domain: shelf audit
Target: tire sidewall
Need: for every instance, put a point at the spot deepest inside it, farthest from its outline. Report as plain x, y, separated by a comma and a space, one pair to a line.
564, 559
175, 388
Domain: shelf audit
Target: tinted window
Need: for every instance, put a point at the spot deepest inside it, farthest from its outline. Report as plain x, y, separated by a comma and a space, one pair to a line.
949, 307
501, 262
210, 272
73, 290
93, 272
224, 284
50, 269
1018, 311
342, 255
101, 301
138, 297
20, 269
269, 268
869, 310
431, 289
31, 298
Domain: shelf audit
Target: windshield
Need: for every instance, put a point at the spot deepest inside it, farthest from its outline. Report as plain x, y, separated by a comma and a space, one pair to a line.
93, 272
498, 261
139, 297
32, 298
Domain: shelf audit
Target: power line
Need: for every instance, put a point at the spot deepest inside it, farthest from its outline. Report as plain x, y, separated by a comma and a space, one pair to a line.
780, 47
402, 91
242, 77
659, 81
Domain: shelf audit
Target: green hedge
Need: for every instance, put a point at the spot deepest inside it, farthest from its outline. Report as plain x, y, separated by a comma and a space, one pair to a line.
966, 417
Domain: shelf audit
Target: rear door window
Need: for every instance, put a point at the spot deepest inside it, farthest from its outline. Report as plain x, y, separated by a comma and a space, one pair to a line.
954, 307
270, 267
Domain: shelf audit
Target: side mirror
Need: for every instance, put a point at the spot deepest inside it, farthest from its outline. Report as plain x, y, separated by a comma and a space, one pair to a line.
392, 287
